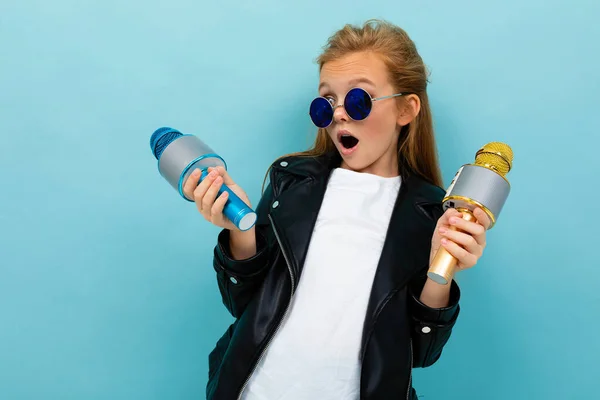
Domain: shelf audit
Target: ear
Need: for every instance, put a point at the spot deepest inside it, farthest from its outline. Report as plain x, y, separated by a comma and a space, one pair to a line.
410, 105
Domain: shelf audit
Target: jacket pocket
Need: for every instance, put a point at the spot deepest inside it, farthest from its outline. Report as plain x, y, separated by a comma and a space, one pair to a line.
429, 210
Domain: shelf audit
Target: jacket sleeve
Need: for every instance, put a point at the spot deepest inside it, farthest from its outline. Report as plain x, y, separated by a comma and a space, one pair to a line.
238, 280
431, 327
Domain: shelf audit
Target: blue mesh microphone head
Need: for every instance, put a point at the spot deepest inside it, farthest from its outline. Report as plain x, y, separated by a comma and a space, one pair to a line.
161, 138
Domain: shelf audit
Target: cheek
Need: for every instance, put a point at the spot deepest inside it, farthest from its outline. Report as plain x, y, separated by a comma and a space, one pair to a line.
381, 123
330, 133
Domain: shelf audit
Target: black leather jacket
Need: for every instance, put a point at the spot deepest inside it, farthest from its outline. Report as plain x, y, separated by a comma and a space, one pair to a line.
399, 333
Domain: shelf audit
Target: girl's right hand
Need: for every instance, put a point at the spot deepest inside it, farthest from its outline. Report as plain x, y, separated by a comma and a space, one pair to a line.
205, 195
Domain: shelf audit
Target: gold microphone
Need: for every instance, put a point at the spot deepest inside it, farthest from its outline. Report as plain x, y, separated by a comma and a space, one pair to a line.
481, 184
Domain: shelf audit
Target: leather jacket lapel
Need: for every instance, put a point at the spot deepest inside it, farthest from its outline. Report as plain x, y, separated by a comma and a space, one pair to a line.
294, 216
398, 262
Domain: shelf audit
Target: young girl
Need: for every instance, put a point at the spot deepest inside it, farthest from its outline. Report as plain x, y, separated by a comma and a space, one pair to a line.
329, 289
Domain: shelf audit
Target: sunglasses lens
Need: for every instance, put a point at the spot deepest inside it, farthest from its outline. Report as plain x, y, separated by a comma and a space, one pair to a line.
321, 112
358, 104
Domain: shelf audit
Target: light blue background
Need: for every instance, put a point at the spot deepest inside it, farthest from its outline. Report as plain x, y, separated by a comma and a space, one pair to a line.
106, 285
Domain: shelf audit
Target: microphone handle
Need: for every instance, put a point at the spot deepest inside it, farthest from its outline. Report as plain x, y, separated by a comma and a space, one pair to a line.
443, 266
238, 212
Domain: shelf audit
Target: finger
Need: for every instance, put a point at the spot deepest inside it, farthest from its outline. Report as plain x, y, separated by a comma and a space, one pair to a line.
226, 177
449, 213
463, 239
219, 204
190, 184
202, 188
475, 229
211, 194
482, 218
465, 259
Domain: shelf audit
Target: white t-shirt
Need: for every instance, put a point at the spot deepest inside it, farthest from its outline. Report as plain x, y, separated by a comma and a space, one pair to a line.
315, 354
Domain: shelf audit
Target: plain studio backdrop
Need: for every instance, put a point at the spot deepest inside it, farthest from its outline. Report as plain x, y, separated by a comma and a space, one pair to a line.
107, 289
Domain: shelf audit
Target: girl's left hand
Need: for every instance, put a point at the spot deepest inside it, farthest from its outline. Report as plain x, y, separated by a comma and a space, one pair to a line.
467, 243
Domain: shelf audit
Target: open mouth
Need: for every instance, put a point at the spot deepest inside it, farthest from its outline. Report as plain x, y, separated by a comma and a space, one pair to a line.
348, 141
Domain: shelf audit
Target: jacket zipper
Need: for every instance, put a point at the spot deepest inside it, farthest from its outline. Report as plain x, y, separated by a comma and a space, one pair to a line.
411, 368
287, 262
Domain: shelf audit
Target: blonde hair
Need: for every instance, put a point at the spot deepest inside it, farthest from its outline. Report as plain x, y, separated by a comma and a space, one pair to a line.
417, 151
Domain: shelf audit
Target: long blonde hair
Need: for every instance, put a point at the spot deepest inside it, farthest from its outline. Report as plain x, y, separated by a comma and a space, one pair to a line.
417, 151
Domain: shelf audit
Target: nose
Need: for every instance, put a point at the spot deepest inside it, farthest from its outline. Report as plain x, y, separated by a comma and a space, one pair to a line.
339, 113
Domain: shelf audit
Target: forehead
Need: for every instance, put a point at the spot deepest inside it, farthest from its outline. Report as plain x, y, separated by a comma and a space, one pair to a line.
353, 69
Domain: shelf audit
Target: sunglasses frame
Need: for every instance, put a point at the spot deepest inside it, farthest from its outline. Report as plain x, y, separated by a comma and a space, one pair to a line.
334, 107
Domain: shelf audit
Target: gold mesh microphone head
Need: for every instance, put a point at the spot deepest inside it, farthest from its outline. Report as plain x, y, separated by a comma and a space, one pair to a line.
496, 156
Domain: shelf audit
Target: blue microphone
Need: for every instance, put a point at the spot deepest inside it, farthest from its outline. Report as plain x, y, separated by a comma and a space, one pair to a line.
179, 155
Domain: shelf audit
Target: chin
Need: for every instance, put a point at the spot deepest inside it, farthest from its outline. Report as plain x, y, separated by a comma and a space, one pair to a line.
354, 164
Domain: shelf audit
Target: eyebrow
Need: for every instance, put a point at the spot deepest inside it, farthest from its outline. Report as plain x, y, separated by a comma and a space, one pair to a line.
352, 82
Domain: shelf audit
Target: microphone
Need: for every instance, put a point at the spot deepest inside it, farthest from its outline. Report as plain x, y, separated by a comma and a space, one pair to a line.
481, 184
179, 155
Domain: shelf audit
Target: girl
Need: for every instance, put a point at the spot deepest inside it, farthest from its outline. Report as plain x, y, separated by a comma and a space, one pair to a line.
329, 289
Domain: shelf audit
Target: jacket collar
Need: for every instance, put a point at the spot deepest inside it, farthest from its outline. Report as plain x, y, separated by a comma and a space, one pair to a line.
316, 166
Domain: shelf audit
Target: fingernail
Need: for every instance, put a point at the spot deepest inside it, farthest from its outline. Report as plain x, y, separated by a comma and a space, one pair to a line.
213, 173
453, 220
444, 241
443, 230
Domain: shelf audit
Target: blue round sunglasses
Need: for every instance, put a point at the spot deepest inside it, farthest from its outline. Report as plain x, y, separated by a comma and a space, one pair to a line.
357, 103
